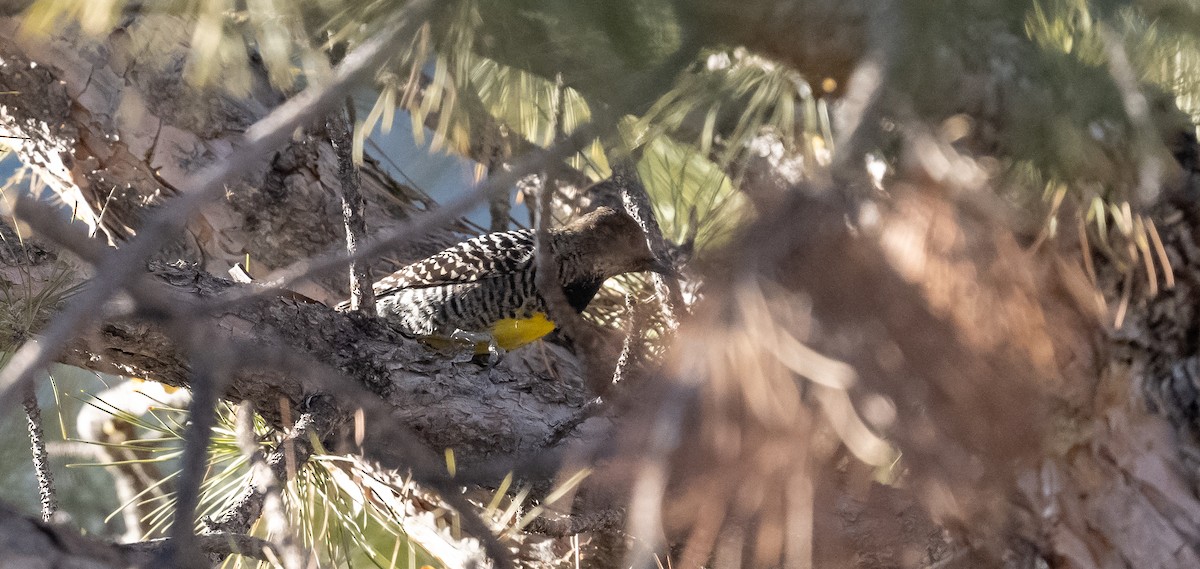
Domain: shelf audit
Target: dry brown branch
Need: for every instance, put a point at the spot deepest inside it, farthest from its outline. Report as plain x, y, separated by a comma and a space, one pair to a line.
362, 295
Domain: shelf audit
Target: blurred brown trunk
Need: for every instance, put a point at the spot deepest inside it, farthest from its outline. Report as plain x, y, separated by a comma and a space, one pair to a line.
992, 366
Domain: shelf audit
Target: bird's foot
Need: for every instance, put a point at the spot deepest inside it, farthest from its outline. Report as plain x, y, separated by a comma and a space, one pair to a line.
472, 339
495, 353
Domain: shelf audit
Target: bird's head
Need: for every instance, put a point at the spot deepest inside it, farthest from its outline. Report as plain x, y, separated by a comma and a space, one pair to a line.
610, 243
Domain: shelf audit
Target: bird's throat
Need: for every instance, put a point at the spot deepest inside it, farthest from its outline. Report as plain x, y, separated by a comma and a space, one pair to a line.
581, 291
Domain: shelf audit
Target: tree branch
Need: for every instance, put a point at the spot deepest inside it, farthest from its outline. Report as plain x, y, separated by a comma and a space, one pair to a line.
28, 543
211, 372
213, 545
451, 405
291, 555
317, 420
362, 295
41, 460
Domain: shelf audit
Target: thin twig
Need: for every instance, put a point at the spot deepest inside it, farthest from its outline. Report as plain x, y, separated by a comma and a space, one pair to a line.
41, 459
122, 265
547, 278
317, 418
291, 556
558, 104
362, 296
499, 203
210, 374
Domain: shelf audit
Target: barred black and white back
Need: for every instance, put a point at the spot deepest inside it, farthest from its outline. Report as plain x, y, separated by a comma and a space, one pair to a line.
478, 258
471, 286
466, 287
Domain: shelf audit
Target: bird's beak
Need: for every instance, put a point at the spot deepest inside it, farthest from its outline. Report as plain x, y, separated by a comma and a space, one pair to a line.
664, 268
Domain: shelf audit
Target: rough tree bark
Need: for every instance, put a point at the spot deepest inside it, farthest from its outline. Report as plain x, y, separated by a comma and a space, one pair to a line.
476, 411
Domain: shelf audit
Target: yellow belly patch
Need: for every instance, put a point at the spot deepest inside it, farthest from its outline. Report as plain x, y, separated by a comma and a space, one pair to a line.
510, 333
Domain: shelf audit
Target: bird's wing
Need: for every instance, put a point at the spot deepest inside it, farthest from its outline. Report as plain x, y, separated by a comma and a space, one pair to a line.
473, 260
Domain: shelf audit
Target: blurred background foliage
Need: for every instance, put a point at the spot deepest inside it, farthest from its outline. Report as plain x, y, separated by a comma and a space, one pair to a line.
478, 61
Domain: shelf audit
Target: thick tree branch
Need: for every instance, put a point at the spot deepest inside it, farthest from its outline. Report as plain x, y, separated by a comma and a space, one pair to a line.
32, 545
451, 405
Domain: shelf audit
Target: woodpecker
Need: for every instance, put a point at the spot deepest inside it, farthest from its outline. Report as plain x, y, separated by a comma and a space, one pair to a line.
484, 291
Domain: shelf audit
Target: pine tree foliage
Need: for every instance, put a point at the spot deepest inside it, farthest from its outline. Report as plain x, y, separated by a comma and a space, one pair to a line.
1076, 114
